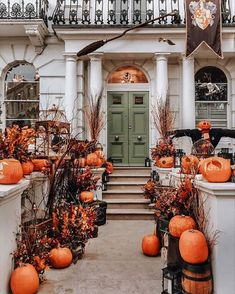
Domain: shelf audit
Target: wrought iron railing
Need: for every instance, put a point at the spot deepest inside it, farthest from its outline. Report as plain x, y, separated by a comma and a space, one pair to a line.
24, 9
125, 12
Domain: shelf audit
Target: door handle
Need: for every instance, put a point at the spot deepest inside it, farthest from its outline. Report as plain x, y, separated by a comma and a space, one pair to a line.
129, 127
116, 138
139, 138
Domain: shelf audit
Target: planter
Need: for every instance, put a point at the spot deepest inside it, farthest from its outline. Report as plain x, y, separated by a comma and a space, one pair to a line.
100, 209
173, 254
162, 225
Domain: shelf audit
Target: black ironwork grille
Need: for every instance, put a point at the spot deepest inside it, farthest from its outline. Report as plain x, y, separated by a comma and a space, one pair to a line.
126, 12
23, 9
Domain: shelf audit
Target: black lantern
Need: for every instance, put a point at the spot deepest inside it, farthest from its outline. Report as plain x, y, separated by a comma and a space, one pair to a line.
104, 186
147, 162
171, 276
224, 152
155, 176
178, 157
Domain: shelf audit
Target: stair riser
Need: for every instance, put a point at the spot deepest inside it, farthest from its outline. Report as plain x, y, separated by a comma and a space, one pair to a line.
122, 196
128, 205
129, 217
127, 179
118, 187
145, 173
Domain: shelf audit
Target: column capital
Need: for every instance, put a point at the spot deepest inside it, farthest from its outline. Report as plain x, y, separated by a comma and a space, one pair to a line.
70, 56
96, 56
184, 58
161, 55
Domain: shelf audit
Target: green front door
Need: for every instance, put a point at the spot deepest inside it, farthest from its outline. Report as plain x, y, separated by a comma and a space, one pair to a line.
128, 127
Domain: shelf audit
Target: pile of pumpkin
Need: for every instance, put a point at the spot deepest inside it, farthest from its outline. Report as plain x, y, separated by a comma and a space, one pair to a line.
12, 171
25, 278
214, 169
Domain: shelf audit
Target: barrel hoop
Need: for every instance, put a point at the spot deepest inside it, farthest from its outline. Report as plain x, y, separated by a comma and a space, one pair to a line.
208, 278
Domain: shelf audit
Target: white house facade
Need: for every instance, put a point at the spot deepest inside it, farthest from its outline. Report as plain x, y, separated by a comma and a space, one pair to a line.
39, 41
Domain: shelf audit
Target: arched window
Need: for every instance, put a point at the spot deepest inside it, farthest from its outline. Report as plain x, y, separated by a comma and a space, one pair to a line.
211, 96
22, 95
127, 75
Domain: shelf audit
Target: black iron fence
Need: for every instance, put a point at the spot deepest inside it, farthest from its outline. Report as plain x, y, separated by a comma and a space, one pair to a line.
24, 9
126, 12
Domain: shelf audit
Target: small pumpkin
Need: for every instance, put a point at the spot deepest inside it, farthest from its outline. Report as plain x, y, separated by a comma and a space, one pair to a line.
11, 171
204, 125
40, 164
109, 167
86, 196
193, 247
180, 223
216, 170
189, 164
150, 245
94, 160
165, 162
60, 257
27, 167
24, 280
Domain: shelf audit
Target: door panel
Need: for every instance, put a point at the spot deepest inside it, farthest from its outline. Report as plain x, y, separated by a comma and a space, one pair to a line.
128, 127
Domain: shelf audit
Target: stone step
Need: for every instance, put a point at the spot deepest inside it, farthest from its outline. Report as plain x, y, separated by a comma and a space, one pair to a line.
125, 186
127, 203
122, 194
128, 178
145, 171
129, 214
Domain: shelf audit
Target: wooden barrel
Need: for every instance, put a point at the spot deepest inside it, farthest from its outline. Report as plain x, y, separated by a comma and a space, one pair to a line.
197, 278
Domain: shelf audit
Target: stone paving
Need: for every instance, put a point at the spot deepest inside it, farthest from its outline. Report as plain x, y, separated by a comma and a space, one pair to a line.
112, 264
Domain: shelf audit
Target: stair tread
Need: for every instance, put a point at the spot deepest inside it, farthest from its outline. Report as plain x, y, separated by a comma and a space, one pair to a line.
114, 175
129, 211
123, 192
126, 183
127, 201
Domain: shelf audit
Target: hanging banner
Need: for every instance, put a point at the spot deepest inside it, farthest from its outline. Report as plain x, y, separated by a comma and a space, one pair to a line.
203, 25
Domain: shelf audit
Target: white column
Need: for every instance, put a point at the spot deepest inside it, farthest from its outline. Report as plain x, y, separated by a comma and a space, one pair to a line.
188, 94
161, 75
71, 90
80, 99
96, 76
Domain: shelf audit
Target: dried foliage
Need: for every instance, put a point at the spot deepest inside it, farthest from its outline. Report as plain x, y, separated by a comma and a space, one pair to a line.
164, 147
15, 142
174, 201
94, 118
163, 117
151, 190
87, 181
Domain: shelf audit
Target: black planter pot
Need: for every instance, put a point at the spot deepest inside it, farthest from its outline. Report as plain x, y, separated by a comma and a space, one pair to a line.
173, 254
100, 209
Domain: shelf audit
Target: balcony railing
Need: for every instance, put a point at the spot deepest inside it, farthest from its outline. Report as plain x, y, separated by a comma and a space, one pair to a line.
24, 9
126, 12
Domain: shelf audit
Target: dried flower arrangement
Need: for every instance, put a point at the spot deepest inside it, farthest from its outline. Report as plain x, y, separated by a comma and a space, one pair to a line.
151, 190
163, 119
15, 142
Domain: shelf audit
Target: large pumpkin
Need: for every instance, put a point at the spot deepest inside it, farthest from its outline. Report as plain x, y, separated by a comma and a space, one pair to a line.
60, 257
39, 164
94, 160
86, 196
216, 170
193, 247
180, 223
189, 164
150, 245
27, 167
165, 162
11, 171
24, 280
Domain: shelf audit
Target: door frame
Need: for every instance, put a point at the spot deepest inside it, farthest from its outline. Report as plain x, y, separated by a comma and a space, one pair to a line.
129, 88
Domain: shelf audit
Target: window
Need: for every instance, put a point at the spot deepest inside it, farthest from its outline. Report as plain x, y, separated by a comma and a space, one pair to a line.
22, 95
211, 96
127, 75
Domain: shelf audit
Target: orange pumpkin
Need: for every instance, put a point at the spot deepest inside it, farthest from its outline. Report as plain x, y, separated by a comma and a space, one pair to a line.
216, 170
99, 153
60, 257
193, 247
94, 160
27, 167
24, 280
180, 223
109, 167
11, 171
204, 125
189, 164
86, 196
150, 245
40, 164
165, 162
